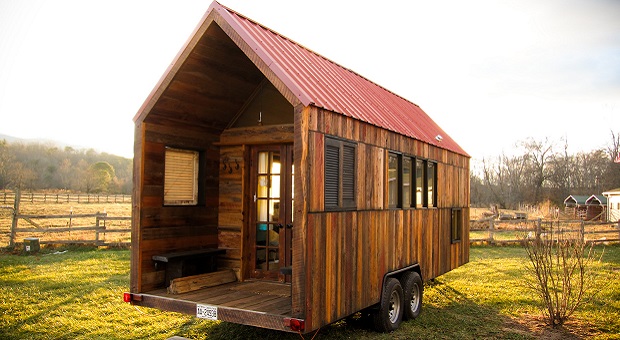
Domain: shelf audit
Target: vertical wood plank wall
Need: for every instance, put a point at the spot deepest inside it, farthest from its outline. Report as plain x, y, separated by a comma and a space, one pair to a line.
158, 228
230, 215
350, 251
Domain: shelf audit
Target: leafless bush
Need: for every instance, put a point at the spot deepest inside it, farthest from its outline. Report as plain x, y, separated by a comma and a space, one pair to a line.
560, 273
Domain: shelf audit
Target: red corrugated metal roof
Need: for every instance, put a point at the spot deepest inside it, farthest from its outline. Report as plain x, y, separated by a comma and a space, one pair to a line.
318, 81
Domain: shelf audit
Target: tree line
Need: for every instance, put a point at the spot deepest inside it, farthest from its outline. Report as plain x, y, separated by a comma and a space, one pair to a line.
542, 171
536, 172
36, 166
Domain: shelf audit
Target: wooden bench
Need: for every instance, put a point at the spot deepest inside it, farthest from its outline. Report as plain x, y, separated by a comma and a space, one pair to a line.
286, 270
188, 262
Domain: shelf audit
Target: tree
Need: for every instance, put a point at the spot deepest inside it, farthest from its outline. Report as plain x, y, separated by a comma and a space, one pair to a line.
559, 273
5, 160
103, 175
538, 155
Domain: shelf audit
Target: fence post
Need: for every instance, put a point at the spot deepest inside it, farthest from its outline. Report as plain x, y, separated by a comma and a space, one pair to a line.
538, 228
583, 232
491, 230
97, 230
18, 196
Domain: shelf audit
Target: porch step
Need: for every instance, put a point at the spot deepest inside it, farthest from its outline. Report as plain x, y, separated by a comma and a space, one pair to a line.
196, 282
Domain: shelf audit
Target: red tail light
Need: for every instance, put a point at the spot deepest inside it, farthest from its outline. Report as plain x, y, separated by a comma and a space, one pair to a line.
127, 297
297, 325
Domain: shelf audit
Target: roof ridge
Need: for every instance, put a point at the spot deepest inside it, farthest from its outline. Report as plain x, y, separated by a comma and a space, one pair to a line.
313, 52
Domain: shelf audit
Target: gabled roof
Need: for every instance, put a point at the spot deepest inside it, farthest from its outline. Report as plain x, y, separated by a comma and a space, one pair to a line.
321, 82
315, 80
612, 192
576, 199
596, 200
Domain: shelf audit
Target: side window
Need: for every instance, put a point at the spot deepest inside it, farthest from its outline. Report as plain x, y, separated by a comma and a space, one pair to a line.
420, 169
340, 169
181, 177
456, 227
431, 175
393, 181
407, 176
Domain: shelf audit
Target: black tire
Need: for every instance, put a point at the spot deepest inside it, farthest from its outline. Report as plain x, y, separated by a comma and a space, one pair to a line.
413, 289
390, 313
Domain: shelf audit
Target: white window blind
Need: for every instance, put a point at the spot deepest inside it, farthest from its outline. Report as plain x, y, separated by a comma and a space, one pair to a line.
181, 177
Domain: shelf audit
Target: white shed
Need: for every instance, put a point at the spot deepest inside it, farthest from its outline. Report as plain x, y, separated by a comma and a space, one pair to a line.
613, 205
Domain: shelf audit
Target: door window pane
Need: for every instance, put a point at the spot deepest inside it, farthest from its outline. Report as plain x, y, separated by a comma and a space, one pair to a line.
263, 186
262, 210
263, 162
274, 210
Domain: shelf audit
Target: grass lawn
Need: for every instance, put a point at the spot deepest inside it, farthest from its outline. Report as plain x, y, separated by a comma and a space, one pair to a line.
77, 294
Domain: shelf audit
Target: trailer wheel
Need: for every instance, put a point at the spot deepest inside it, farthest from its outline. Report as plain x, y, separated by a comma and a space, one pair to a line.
390, 312
412, 289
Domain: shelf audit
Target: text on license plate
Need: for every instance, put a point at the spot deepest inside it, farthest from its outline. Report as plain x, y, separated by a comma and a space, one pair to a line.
206, 312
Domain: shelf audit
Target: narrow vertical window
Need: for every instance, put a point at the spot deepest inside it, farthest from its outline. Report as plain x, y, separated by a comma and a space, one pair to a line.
419, 183
455, 233
431, 175
407, 182
180, 177
393, 201
340, 178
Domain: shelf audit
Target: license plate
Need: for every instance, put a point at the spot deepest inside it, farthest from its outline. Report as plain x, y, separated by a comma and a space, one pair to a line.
206, 312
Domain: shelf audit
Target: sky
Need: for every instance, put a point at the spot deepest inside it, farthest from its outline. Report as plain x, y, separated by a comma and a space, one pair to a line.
490, 73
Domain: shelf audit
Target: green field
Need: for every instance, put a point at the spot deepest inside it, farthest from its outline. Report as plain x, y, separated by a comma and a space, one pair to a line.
77, 294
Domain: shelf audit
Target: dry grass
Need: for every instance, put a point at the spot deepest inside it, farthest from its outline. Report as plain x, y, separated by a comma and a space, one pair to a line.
27, 208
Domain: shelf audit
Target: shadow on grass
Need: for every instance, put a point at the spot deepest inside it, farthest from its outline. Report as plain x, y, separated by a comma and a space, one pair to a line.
448, 314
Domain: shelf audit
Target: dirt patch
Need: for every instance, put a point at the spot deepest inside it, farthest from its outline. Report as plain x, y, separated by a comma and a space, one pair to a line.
535, 325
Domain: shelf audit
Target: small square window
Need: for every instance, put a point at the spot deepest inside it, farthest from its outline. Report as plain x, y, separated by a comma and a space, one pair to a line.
181, 177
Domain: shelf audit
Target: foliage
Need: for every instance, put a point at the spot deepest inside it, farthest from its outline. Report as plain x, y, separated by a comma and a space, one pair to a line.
36, 166
540, 171
559, 273
78, 295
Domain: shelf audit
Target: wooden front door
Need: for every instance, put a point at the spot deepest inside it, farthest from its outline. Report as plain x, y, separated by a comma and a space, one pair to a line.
271, 216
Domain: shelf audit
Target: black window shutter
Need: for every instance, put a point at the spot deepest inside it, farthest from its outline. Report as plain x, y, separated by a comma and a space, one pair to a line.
348, 175
332, 169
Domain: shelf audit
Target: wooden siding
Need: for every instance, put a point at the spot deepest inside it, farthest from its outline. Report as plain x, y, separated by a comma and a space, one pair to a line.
349, 252
158, 228
231, 207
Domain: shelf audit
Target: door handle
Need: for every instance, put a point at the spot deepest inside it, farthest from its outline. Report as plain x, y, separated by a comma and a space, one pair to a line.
279, 226
289, 226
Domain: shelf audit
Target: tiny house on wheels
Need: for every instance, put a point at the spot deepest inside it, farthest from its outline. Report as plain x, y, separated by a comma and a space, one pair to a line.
278, 189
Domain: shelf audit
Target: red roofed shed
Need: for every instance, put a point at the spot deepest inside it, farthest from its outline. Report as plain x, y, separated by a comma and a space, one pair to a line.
276, 188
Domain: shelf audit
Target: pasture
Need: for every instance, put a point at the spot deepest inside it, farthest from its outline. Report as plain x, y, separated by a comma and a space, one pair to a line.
76, 293
28, 207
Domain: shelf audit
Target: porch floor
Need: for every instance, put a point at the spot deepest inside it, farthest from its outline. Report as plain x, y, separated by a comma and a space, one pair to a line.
260, 296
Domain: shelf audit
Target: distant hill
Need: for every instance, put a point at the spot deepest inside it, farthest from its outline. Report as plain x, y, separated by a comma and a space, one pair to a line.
37, 164
43, 141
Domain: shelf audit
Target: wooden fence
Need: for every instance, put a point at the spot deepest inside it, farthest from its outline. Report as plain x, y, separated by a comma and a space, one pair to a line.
96, 234
8, 198
493, 231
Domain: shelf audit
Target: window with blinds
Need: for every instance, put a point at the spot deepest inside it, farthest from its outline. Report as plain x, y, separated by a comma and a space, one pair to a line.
339, 189
181, 177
